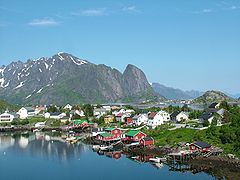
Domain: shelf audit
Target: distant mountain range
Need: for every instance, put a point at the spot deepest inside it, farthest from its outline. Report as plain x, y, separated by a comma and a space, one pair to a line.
212, 96
175, 94
64, 78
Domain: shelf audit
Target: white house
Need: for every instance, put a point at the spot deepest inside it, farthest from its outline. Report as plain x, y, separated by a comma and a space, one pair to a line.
26, 112
55, 115
140, 119
157, 119
120, 117
179, 116
68, 106
6, 117
100, 111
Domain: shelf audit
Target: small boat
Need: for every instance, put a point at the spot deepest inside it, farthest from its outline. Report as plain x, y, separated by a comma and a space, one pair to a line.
158, 160
104, 148
95, 147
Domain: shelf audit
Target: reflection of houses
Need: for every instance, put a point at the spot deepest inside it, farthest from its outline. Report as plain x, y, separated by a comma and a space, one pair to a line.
6, 117
114, 154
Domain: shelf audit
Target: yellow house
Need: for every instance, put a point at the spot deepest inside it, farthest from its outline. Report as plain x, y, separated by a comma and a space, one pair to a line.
108, 119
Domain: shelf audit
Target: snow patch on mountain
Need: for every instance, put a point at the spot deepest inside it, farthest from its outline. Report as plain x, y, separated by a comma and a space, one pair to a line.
2, 80
40, 69
39, 91
46, 65
20, 85
28, 96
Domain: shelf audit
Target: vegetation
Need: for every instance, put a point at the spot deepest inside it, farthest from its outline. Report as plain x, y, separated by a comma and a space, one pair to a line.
226, 136
4, 105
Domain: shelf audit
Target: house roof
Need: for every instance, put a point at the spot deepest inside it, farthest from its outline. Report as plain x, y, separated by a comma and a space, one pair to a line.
148, 139
201, 144
106, 135
109, 129
174, 114
132, 133
55, 114
152, 115
78, 122
100, 110
213, 105
207, 115
119, 115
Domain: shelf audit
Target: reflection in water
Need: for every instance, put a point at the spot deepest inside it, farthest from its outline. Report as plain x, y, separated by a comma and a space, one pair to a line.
41, 144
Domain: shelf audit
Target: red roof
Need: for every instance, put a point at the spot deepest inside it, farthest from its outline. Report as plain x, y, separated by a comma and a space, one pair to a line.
152, 115
119, 115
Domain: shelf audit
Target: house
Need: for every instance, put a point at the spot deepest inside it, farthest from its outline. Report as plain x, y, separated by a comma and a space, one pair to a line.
80, 123
68, 107
207, 116
105, 137
108, 119
147, 141
128, 120
121, 116
117, 133
134, 135
77, 112
26, 112
200, 146
6, 117
54, 115
156, 119
214, 105
178, 116
140, 119
96, 131
100, 112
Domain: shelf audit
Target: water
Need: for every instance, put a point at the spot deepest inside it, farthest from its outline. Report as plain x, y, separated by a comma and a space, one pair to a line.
41, 156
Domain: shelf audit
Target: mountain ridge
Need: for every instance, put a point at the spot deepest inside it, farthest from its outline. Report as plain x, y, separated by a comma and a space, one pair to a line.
64, 78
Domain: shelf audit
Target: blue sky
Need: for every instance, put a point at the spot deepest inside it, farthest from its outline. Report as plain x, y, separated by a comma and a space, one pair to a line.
185, 44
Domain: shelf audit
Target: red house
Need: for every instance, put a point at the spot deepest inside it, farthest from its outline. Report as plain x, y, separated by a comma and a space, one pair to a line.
115, 132
135, 135
105, 137
143, 158
147, 141
200, 146
128, 120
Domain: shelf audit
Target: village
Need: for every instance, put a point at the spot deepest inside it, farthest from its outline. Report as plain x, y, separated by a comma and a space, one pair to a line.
121, 126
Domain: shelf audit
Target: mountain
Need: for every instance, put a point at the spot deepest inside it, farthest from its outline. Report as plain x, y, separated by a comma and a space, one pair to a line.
64, 78
4, 105
175, 94
212, 96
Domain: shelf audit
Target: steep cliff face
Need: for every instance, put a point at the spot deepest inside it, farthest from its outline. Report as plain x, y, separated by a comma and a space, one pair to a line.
64, 78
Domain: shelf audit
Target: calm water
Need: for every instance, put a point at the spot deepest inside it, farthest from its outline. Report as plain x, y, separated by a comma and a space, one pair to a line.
41, 157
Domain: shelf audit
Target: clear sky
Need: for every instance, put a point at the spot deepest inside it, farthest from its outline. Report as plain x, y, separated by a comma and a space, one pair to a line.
186, 44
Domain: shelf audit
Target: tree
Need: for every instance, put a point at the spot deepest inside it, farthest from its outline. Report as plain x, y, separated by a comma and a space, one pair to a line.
52, 108
88, 110
205, 123
225, 105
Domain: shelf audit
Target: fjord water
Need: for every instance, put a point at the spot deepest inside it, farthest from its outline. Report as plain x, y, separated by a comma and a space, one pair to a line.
40, 156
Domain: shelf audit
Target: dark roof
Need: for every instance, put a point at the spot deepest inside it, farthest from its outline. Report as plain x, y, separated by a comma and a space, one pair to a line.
55, 114
174, 114
213, 105
152, 115
206, 115
202, 144
147, 139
